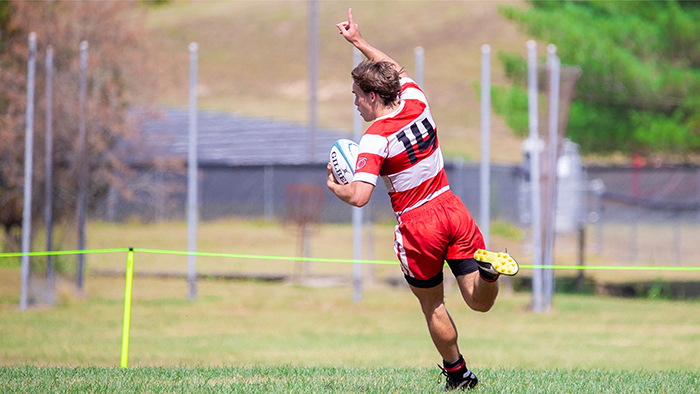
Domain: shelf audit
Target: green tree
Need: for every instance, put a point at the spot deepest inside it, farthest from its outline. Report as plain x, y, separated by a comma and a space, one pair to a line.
639, 91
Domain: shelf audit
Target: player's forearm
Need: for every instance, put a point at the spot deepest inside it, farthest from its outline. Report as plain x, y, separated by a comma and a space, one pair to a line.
353, 193
373, 53
340, 191
369, 51
344, 193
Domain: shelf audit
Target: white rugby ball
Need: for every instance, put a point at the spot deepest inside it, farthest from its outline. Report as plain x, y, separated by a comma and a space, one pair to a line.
343, 158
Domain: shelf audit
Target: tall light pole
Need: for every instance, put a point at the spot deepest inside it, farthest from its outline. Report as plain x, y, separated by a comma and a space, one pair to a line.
533, 123
313, 78
48, 206
192, 211
28, 158
485, 177
83, 172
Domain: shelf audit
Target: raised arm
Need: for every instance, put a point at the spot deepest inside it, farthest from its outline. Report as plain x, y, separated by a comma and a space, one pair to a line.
351, 32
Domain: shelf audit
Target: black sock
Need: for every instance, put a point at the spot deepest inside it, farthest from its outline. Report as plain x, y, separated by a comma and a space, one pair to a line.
488, 276
457, 368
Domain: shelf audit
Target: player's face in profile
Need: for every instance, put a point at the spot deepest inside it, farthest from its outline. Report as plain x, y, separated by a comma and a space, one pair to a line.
363, 102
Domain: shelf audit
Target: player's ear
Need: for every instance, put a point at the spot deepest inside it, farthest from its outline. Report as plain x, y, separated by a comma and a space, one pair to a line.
373, 96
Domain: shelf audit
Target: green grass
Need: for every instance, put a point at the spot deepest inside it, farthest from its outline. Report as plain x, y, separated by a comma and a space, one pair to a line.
506, 230
247, 323
331, 380
243, 336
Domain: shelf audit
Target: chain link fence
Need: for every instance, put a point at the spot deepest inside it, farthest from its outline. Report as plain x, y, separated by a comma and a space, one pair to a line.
630, 216
633, 215
647, 215
258, 191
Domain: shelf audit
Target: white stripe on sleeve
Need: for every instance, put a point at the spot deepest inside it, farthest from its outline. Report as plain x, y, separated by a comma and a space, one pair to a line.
374, 144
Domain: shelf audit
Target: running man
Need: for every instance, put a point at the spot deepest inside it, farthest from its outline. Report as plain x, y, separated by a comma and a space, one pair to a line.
434, 226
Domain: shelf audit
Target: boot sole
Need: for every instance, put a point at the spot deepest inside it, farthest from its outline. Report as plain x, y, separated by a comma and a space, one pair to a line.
503, 263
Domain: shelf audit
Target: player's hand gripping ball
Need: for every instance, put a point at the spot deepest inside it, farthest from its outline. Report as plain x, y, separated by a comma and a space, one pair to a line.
343, 157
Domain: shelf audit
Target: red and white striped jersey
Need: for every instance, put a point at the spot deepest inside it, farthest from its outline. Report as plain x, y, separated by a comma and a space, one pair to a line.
402, 148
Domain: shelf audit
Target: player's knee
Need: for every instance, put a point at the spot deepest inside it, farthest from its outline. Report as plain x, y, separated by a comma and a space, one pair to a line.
432, 309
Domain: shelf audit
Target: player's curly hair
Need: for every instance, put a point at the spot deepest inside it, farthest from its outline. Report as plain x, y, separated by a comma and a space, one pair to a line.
379, 77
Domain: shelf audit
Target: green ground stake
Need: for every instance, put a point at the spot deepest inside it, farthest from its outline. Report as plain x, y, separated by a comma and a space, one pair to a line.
127, 306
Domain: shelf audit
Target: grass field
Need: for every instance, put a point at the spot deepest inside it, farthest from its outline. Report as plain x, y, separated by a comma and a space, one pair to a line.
331, 380
262, 337
243, 323
254, 336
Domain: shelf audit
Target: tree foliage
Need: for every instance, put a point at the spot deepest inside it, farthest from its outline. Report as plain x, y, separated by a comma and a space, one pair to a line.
114, 31
639, 91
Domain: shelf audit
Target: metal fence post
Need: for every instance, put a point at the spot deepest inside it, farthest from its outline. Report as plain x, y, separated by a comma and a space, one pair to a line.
485, 189
356, 212
553, 64
598, 188
313, 77
533, 113
28, 158
48, 205
633, 231
268, 192
83, 172
419, 59
192, 211
677, 237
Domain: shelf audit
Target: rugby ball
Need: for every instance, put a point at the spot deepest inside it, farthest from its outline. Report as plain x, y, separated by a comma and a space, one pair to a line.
343, 158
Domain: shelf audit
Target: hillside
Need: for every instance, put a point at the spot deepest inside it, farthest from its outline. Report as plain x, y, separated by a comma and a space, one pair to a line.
253, 59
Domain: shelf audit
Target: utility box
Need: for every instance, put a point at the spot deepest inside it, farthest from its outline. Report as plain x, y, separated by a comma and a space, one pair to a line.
570, 180
570, 184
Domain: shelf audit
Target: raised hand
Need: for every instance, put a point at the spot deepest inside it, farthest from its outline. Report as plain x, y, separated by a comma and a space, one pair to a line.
349, 29
351, 32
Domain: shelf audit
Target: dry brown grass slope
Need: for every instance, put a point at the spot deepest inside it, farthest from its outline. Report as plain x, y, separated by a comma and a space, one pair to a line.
253, 59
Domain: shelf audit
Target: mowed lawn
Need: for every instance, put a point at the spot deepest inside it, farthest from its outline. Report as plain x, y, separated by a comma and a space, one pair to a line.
331, 380
262, 323
243, 323
257, 336
241, 336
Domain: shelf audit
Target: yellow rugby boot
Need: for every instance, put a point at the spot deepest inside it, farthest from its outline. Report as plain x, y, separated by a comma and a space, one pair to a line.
496, 263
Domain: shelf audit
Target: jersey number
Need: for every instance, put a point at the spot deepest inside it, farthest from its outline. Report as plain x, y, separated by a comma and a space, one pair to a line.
423, 143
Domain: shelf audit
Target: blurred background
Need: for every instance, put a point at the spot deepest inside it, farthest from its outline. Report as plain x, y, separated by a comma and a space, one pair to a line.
274, 92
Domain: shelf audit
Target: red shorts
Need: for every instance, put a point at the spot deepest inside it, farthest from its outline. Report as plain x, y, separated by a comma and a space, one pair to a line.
438, 230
